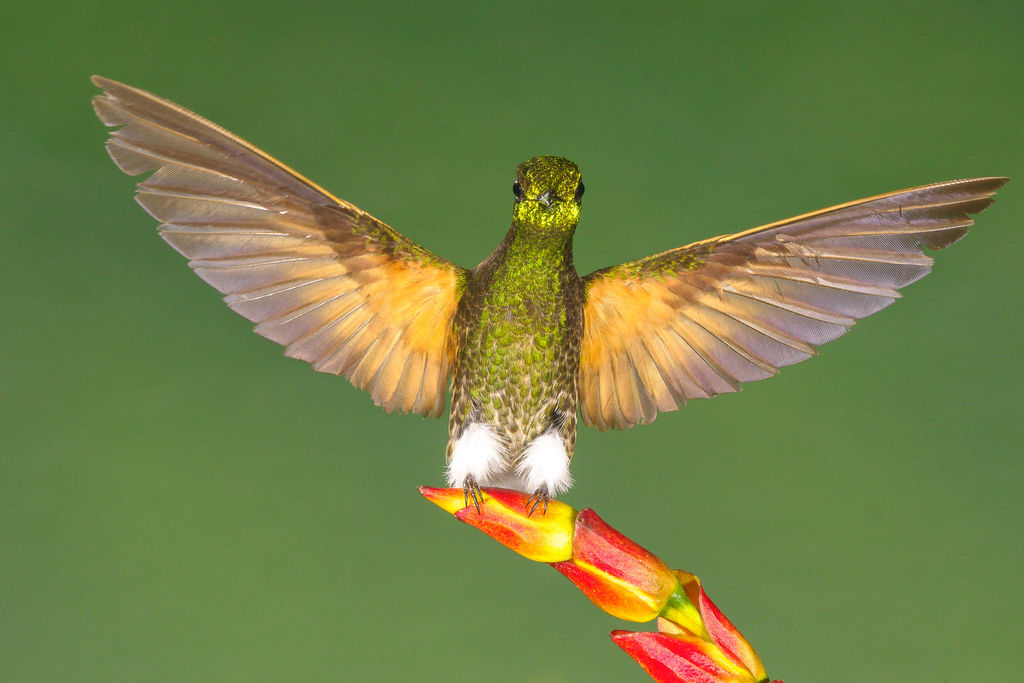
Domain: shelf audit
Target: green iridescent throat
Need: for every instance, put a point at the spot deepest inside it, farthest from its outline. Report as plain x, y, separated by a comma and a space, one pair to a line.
523, 316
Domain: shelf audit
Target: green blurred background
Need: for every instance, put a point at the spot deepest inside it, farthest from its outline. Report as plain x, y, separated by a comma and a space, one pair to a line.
180, 502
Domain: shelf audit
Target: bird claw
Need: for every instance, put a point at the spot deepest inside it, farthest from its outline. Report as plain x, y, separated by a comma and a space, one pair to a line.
471, 489
540, 496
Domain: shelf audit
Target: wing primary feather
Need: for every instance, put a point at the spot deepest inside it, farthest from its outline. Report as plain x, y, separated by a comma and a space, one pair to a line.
671, 372
713, 378
707, 319
690, 367
727, 355
625, 389
791, 348
323, 355
307, 311
366, 367
342, 357
648, 404
650, 379
406, 387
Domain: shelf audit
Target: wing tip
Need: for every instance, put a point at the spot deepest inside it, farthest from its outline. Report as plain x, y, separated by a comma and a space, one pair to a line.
990, 183
109, 87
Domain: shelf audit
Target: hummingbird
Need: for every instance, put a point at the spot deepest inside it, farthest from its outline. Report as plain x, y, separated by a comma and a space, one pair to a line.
526, 343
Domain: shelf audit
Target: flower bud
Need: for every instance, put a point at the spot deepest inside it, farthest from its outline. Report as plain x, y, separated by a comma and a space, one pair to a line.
617, 575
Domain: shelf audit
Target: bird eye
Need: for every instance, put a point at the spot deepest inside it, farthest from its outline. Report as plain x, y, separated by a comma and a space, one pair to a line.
579, 191
517, 190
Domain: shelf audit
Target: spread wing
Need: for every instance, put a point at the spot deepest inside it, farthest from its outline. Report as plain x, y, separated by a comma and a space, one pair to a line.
700, 320
337, 287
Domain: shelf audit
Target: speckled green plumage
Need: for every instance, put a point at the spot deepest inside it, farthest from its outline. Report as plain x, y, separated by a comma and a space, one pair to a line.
666, 264
519, 322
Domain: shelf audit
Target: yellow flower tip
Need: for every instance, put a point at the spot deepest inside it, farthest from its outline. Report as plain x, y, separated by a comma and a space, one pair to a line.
505, 515
449, 500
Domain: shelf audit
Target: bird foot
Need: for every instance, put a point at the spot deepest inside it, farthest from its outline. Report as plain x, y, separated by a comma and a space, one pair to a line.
539, 497
471, 489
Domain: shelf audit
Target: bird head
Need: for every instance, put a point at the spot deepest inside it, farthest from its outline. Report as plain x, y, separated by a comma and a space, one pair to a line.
548, 192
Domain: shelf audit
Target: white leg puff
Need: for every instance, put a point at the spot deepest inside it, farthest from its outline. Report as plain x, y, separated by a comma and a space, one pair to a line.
545, 463
478, 452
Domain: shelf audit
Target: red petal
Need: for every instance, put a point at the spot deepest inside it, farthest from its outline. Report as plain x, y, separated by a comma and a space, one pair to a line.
680, 659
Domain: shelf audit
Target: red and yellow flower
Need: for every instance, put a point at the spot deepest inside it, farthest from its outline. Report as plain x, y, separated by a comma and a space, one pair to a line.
694, 643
